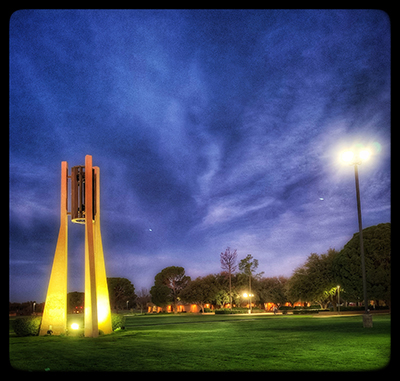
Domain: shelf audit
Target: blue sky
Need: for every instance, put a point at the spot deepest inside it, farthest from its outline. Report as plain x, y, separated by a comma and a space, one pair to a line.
212, 128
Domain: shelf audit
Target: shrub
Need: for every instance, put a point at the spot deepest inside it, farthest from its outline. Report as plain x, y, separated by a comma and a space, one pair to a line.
304, 311
117, 321
235, 310
222, 311
27, 326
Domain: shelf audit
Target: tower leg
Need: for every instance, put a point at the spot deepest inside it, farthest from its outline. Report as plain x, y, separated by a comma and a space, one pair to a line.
103, 300
91, 319
55, 310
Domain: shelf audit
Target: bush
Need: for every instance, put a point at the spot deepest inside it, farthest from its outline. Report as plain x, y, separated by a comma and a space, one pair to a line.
222, 311
117, 321
304, 311
235, 310
27, 326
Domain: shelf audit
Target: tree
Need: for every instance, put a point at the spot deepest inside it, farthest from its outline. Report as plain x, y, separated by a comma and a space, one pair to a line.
200, 291
143, 298
168, 284
248, 266
121, 291
315, 280
160, 294
273, 290
228, 263
222, 297
222, 281
377, 251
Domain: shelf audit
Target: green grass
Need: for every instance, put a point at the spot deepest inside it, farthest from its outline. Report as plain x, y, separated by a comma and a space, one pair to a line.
215, 343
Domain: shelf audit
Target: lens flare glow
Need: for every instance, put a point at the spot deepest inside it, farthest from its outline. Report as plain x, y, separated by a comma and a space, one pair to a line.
364, 154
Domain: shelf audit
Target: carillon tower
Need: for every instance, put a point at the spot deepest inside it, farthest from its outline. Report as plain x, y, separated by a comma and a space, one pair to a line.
85, 209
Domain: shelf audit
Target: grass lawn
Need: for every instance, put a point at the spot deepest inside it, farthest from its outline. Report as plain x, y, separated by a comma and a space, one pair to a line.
215, 343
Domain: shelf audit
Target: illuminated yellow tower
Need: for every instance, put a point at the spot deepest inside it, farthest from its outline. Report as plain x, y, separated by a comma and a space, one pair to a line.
85, 209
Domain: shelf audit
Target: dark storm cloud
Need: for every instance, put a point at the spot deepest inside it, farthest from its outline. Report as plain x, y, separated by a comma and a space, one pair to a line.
211, 128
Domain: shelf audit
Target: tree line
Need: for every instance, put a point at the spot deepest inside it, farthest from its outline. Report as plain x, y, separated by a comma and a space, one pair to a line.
316, 281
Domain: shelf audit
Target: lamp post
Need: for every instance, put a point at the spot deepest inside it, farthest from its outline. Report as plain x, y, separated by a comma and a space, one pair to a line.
248, 295
356, 158
338, 289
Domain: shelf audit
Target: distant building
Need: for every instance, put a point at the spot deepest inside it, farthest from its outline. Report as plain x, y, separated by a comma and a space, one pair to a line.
182, 307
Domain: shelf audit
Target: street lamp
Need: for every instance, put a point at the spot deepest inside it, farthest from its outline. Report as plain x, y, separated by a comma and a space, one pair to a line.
248, 295
356, 158
338, 289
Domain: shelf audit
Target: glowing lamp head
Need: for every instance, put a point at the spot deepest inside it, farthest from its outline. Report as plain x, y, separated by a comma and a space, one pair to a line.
245, 295
348, 156
351, 157
74, 326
